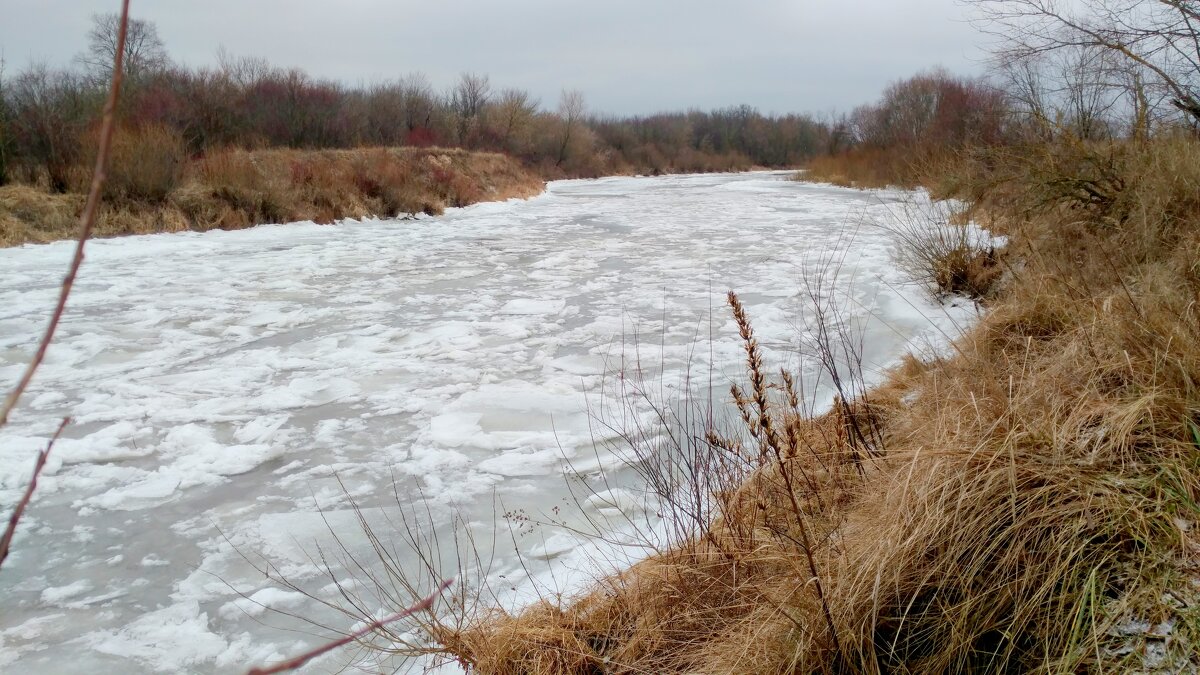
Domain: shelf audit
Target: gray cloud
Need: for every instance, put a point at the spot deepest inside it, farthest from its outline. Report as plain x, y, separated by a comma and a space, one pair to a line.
627, 56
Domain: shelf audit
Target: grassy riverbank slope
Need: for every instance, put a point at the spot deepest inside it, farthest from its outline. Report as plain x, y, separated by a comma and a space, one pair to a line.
1027, 503
152, 190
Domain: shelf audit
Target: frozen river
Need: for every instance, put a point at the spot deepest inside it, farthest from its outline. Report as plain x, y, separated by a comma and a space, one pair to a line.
217, 383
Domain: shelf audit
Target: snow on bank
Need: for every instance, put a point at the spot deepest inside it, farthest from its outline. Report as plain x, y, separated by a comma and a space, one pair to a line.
230, 388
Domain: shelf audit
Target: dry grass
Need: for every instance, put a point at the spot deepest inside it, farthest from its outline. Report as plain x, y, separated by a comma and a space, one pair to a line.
30, 214
147, 165
1009, 508
939, 247
864, 168
233, 189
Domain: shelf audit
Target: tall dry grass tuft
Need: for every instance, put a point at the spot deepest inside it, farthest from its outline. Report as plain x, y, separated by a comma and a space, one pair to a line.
229, 190
147, 165
395, 184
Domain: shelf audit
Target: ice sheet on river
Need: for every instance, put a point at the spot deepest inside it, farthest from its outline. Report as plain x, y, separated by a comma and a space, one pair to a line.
223, 383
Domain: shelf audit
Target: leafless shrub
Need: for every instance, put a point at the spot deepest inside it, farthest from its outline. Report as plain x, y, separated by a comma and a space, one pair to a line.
86, 222
49, 111
366, 582
950, 257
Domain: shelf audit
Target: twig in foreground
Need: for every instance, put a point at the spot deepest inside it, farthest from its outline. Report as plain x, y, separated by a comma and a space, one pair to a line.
86, 220
294, 663
15, 518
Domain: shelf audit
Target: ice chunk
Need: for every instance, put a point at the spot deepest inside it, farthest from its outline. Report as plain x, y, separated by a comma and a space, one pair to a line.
57, 595
531, 306
174, 639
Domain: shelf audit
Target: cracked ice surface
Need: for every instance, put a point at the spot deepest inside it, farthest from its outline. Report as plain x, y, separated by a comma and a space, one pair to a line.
219, 381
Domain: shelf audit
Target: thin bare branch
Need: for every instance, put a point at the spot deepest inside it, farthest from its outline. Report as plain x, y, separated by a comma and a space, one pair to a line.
86, 221
15, 518
294, 663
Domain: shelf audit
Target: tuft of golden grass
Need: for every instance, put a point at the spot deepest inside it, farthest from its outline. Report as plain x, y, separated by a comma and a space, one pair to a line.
147, 165
1025, 499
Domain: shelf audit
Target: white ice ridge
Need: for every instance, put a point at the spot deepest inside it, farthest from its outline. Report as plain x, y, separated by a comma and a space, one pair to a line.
232, 392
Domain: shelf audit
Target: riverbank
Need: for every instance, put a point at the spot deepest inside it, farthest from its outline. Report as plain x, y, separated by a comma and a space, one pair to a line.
235, 393
1027, 502
235, 189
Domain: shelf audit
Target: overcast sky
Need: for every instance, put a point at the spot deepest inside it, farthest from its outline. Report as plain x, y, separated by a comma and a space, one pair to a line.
627, 56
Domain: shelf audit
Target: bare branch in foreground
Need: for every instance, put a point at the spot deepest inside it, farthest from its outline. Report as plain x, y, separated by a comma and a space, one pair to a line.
86, 220
294, 663
15, 518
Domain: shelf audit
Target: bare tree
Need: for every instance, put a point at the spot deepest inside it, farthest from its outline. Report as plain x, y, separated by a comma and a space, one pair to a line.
49, 110
1143, 102
144, 52
908, 108
467, 100
418, 101
514, 112
378, 111
244, 71
5, 127
571, 108
839, 131
1024, 81
1076, 89
1160, 37
1089, 91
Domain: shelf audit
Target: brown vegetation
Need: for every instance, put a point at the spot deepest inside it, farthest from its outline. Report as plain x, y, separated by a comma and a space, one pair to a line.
152, 190
918, 125
937, 247
46, 115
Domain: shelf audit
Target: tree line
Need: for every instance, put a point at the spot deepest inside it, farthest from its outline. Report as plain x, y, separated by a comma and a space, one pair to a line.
47, 115
1094, 70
